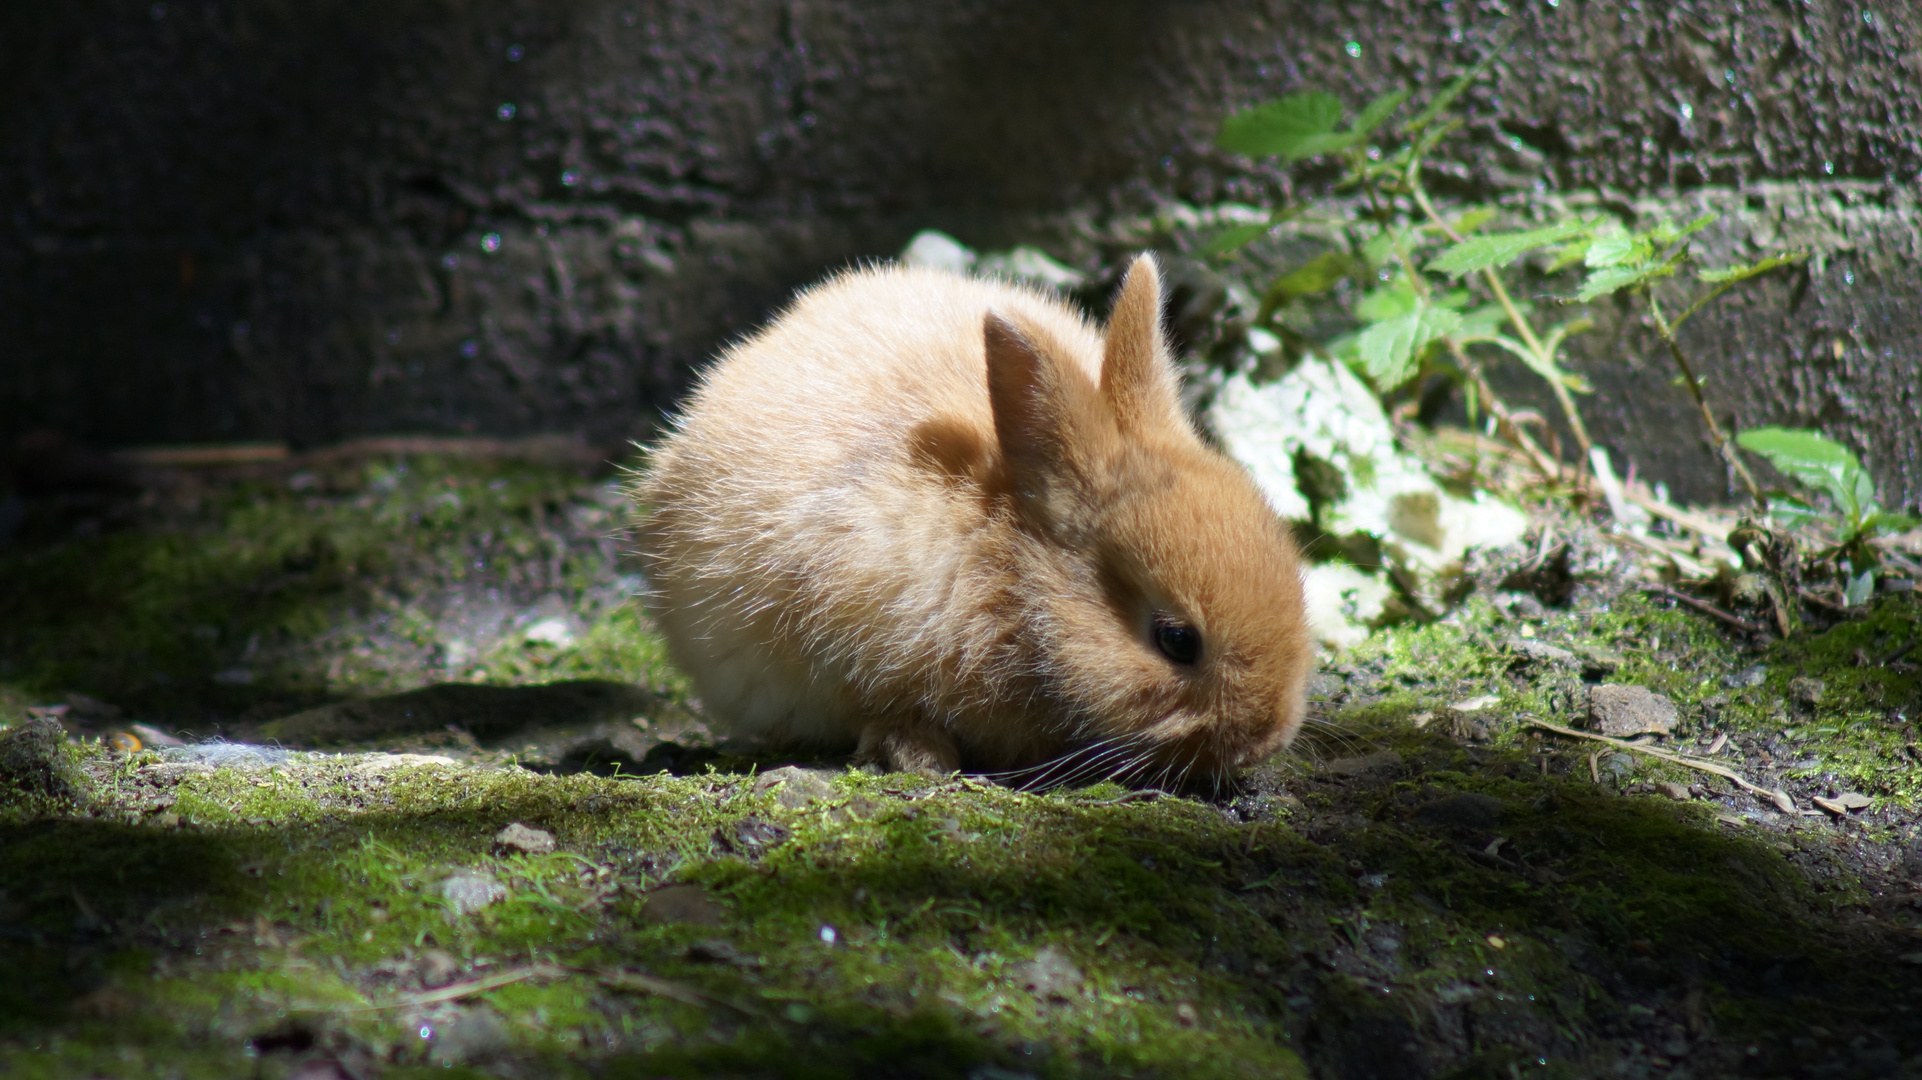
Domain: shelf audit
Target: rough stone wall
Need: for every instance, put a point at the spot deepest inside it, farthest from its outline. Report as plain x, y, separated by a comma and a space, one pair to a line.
317, 219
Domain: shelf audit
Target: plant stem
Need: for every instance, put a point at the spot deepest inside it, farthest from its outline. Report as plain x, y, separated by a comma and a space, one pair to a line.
1544, 462
1723, 444
1515, 317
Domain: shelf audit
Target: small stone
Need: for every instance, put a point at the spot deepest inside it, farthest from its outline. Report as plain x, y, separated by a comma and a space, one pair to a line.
753, 836
469, 891
1678, 792
688, 905
35, 762
1806, 690
1753, 675
795, 787
463, 1034
525, 839
436, 969
1540, 652
1623, 710
1598, 662
1050, 975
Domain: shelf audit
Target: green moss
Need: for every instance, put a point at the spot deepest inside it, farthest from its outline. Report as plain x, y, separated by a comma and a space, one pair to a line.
266, 596
1325, 915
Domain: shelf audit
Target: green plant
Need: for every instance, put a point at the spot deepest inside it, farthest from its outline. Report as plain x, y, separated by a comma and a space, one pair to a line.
1438, 295
1823, 465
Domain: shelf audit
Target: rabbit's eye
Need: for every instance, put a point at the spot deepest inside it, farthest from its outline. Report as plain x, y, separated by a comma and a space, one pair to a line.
1177, 640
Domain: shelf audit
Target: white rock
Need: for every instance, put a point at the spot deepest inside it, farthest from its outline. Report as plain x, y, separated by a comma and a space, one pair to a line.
555, 632
1027, 264
1342, 601
939, 251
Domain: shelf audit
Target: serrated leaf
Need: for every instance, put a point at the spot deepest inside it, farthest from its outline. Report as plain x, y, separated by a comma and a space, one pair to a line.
1291, 128
1569, 254
1377, 111
1860, 588
1666, 234
1614, 248
1235, 238
1472, 220
1744, 271
1813, 460
1613, 278
1389, 350
1482, 252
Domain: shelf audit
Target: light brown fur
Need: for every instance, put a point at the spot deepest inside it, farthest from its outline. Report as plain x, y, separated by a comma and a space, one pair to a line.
935, 517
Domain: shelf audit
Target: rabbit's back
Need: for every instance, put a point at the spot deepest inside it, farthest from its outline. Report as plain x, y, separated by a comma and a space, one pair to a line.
818, 538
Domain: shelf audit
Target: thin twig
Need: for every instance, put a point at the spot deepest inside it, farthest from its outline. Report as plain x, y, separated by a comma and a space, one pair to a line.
1706, 608
1515, 316
1899, 653
463, 989
1722, 443
1676, 759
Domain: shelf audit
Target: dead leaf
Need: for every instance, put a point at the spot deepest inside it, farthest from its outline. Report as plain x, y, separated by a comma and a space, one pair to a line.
1842, 804
1782, 801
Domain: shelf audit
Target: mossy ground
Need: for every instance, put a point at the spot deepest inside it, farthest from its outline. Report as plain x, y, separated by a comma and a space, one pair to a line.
1459, 898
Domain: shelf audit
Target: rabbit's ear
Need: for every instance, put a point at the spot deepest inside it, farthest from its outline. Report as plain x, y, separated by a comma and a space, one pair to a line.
1049, 421
1137, 375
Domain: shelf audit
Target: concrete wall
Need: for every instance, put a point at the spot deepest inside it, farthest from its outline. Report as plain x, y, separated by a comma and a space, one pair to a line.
270, 219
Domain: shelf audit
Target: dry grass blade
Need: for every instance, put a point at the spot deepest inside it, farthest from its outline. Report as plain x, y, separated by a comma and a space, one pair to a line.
641, 982
1706, 608
461, 990
1779, 798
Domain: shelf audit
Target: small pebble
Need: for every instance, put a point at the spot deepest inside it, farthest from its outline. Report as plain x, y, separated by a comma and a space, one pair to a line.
523, 838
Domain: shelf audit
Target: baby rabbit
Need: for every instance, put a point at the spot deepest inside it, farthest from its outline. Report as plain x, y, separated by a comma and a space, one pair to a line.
946, 520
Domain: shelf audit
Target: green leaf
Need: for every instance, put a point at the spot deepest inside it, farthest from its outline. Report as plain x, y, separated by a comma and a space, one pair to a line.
1482, 252
1815, 461
1888, 521
1666, 234
1744, 271
1472, 220
1792, 514
1235, 238
1615, 247
1389, 350
1377, 111
1859, 589
1613, 278
1391, 301
1379, 248
1315, 277
1569, 254
1291, 128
